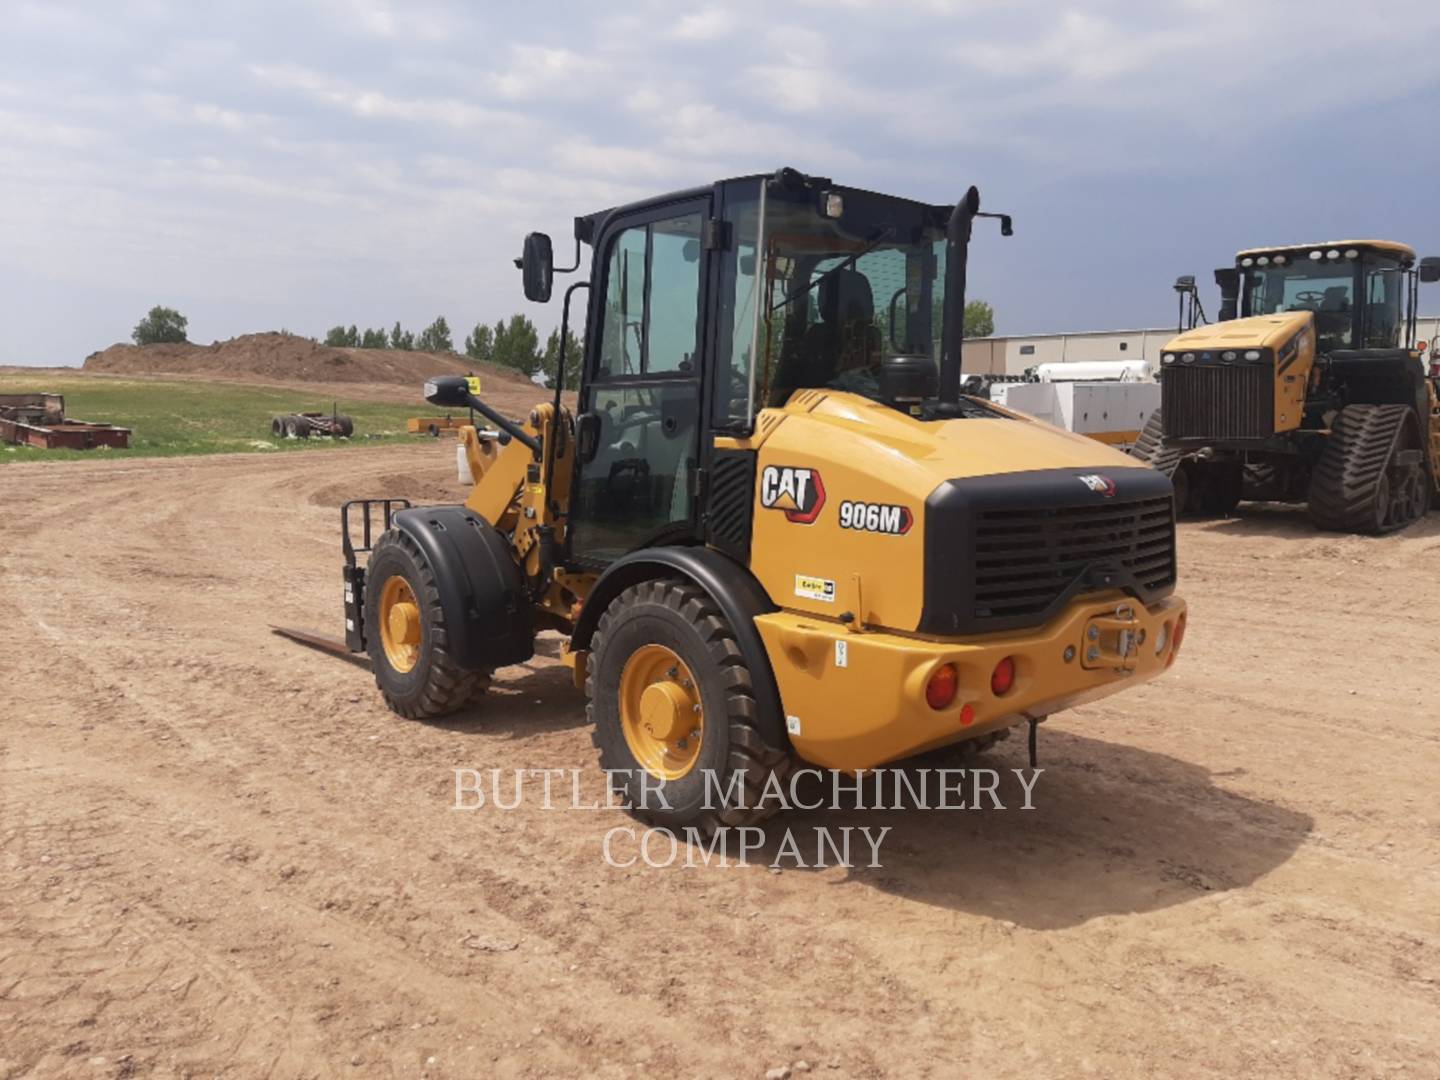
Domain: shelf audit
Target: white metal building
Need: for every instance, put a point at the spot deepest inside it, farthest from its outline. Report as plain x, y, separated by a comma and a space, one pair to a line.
1011, 355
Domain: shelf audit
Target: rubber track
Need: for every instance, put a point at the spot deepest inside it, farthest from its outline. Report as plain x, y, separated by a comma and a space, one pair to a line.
748, 750
1151, 450
1343, 487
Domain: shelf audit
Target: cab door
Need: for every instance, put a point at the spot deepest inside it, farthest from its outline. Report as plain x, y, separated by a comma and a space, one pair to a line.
640, 403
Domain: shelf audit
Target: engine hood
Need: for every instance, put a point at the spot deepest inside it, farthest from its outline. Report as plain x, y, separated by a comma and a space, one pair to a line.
919, 454
944, 527
1255, 332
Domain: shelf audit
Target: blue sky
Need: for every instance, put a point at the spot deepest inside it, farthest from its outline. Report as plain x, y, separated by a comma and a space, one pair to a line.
266, 165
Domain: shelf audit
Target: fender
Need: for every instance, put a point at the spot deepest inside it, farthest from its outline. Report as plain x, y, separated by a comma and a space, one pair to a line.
736, 593
487, 615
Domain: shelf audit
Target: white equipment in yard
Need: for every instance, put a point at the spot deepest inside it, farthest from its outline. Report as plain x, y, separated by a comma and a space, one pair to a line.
1106, 400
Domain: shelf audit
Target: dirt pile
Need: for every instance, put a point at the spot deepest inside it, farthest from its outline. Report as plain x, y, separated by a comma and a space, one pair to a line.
290, 358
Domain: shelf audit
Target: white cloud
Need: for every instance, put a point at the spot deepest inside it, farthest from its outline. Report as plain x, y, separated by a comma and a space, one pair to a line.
708, 24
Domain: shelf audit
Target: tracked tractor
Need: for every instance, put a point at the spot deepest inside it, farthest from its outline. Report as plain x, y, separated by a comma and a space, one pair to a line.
774, 531
1311, 388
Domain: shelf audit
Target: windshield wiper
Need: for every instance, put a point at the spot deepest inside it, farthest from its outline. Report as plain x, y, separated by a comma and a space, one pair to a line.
884, 233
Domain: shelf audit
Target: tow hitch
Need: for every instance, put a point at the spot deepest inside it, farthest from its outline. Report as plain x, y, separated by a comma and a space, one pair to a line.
1113, 641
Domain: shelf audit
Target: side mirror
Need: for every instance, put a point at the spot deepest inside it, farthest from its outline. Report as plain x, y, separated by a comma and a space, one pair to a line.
537, 267
587, 436
1430, 269
1185, 283
449, 391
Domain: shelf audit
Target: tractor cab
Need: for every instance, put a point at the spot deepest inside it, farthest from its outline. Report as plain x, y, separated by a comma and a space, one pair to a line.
706, 306
1361, 293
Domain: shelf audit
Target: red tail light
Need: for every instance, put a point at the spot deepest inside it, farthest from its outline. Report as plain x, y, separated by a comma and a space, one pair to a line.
940, 690
1179, 637
1003, 677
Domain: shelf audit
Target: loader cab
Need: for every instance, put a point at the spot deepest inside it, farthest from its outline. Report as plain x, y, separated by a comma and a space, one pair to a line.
708, 305
1360, 292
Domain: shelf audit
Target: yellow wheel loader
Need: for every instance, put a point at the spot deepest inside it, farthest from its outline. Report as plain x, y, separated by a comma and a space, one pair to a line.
774, 531
1311, 388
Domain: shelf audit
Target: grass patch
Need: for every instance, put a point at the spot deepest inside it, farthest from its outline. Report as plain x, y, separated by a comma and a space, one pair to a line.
170, 419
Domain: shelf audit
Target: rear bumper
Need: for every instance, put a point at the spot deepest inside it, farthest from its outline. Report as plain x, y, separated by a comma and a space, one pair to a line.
873, 709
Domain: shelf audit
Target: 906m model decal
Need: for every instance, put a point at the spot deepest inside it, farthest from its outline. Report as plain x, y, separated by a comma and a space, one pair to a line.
876, 517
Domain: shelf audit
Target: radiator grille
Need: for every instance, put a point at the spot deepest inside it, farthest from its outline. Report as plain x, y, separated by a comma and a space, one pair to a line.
1026, 559
1218, 401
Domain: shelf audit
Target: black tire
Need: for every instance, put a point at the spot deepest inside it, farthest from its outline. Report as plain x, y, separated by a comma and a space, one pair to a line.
277, 427
433, 431
683, 618
344, 426
1180, 480
1371, 477
1224, 485
436, 685
1150, 447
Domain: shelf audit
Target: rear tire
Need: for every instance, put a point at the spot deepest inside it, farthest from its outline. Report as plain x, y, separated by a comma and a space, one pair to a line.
681, 618
277, 427
344, 426
419, 680
1371, 477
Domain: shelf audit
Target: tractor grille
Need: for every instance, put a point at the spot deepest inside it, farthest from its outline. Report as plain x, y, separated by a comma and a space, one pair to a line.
1026, 560
1218, 401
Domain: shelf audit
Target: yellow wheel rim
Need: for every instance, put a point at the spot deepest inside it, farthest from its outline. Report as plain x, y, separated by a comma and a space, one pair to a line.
400, 624
660, 712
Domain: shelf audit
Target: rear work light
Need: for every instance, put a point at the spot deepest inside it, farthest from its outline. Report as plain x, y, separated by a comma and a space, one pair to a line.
940, 690
1003, 677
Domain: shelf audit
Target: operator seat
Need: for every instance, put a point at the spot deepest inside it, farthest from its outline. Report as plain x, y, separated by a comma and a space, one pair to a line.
1336, 298
845, 338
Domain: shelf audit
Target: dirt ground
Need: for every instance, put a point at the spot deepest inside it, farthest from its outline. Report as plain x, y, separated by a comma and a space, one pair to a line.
220, 854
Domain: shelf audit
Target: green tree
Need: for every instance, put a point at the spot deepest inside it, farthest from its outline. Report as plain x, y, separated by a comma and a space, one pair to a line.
163, 324
480, 343
572, 358
374, 339
401, 339
337, 337
435, 337
517, 345
979, 319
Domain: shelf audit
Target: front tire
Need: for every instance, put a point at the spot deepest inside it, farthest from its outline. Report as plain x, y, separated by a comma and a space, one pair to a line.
672, 698
406, 636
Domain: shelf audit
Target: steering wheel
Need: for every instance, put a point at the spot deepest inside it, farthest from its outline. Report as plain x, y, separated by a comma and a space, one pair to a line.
1310, 296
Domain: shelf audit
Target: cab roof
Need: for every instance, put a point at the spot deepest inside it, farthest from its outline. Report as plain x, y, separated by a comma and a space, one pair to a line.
1390, 247
586, 224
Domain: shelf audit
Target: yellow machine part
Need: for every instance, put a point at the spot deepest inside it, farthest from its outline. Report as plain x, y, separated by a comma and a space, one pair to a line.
856, 700
869, 455
1291, 337
505, 495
